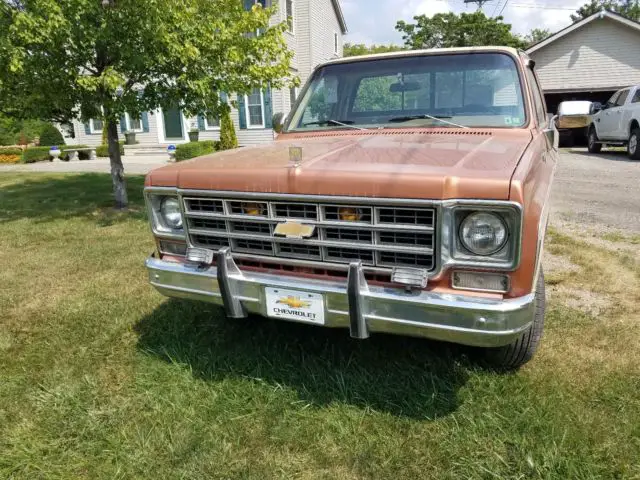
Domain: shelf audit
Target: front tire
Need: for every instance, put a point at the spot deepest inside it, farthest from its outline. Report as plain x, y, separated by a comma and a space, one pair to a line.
518, 353
633, 147
592, 141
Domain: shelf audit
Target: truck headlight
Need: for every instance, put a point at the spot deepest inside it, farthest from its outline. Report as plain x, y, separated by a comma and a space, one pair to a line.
170, 211
483, 233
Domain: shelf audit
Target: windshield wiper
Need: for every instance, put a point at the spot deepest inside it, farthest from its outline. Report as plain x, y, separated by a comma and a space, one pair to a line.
343, 123
439, 118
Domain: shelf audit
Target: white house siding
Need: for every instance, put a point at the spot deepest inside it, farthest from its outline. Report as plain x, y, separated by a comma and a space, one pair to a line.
324, 23
602, 55
144, 138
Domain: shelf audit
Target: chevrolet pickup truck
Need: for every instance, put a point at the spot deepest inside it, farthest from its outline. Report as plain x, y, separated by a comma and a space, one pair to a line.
617, 122
408, 193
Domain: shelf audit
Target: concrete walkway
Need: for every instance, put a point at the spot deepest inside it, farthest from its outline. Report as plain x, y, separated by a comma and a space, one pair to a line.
140, 164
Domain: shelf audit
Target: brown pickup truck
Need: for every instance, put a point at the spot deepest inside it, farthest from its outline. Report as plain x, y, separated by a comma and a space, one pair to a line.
407, 194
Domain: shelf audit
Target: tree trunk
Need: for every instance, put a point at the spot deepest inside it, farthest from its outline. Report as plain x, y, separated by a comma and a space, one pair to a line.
117, 169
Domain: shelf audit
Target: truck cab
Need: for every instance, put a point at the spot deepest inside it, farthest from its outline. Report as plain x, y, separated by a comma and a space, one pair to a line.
617, 122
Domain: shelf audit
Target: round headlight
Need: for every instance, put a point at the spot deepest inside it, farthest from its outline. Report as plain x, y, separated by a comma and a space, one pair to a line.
170, 211
483, 233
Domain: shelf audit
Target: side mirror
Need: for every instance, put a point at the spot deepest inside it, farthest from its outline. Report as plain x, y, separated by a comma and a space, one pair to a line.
595, 107
552, 131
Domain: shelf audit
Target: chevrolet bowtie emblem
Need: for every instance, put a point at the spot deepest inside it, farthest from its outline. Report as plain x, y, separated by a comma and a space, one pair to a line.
294, 302
294, 230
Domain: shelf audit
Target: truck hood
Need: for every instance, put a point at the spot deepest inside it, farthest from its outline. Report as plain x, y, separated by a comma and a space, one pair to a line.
410, 163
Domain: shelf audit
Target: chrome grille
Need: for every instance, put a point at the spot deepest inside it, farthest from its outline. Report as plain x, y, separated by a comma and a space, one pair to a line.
380, 236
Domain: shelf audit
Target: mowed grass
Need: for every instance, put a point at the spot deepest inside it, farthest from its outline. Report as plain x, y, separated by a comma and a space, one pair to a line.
101, 377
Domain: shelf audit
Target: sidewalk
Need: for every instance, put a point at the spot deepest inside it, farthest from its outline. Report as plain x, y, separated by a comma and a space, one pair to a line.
140, 164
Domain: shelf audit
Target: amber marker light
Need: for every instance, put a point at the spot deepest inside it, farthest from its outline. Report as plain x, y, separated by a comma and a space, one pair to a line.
348, 214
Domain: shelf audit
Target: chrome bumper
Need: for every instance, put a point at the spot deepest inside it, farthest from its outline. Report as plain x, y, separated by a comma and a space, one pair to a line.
355, 305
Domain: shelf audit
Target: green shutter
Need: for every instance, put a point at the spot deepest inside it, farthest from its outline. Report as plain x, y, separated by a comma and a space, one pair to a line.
268, 110
201, 123
145, 122
87, 128
123, 124
241, 113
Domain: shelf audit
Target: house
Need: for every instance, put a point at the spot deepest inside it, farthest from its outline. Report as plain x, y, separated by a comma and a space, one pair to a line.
315, 35
588, 60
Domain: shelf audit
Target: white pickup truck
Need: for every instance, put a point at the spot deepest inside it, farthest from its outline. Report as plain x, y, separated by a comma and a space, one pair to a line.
617, 122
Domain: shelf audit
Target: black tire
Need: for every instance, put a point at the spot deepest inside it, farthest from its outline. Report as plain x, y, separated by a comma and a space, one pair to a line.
518, 353
633, 147
592, 138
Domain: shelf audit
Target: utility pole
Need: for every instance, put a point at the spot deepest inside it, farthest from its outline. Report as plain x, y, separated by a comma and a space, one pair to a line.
479, 2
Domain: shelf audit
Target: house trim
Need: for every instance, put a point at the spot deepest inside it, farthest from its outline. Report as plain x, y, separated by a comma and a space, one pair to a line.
161, 138
248, 116
127, 122
600, 15
340, 15
92, 130
210, 128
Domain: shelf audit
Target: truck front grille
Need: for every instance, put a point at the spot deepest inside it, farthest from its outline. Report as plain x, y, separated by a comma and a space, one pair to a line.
380, 236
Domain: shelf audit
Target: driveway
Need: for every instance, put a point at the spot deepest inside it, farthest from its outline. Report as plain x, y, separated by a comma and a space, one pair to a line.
597, 190
136, 164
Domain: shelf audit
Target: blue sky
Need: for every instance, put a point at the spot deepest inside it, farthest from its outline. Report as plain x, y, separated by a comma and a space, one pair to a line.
373, 21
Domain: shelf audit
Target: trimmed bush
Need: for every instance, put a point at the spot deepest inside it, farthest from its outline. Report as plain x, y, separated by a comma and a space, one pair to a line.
103, 150
189, 150
11, 151
228, 137
4, 158
35, 154
50, 135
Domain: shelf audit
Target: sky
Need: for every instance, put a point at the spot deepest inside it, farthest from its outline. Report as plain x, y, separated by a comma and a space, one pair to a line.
373, 21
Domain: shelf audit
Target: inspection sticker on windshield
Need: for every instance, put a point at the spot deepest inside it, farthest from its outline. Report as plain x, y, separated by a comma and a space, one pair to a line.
295, 305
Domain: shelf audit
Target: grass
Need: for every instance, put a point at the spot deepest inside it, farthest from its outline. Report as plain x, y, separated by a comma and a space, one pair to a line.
104, 378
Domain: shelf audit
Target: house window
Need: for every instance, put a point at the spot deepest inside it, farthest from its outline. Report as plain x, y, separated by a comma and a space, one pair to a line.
211, 122
255, 113
335, 43
292, 97
288, 9
95, 125
133, 124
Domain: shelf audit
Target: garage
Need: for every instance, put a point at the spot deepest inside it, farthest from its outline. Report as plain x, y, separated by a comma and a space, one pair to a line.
589, 60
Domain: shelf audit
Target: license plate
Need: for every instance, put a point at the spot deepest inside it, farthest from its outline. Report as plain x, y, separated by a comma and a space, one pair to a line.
295, 305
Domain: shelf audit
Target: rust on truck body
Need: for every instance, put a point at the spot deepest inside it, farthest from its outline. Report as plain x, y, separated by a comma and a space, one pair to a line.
412, 162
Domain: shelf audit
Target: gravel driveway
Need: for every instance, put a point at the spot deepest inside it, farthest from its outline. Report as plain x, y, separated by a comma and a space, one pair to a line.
597, 190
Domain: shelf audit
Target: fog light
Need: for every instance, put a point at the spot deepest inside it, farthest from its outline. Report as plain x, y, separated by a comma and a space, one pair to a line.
481, 281
173, 248
200, 256
412, 277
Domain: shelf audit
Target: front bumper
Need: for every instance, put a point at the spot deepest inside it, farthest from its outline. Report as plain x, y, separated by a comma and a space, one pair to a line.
457, 318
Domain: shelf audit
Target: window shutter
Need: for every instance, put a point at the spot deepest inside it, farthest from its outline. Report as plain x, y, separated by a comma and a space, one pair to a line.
268, 111
201, 123
248, 4
241, 113
87, 128
123, 124
145, 122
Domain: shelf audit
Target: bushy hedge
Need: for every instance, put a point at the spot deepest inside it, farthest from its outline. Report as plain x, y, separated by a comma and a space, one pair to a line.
50, 135
11, 151
103, 150
228, 138
35, 154
189, 150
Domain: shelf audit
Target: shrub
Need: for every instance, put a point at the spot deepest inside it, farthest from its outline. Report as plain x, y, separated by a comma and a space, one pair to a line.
35, 154
189, 150
103, 150
50, 135
11, 151
9, 158
228, 137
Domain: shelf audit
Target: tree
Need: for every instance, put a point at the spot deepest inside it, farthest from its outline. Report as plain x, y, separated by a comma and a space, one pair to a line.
451, 30
353, 49
63, 59
537, 35
50, 135
228, 137
627, 8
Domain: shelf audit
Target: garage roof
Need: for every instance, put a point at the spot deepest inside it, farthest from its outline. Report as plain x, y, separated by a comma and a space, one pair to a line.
600, 15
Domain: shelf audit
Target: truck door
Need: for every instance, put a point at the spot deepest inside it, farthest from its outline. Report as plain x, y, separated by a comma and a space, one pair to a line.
603, 119
618, 130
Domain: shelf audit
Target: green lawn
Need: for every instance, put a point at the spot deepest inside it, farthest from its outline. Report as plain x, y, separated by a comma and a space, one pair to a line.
101, 377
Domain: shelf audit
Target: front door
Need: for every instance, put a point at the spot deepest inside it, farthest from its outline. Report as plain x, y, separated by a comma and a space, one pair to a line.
173, 124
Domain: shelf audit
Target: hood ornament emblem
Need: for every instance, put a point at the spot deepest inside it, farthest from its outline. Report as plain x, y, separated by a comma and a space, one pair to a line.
295, 156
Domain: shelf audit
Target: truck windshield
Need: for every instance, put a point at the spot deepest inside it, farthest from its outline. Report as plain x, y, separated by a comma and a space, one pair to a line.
468, 90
